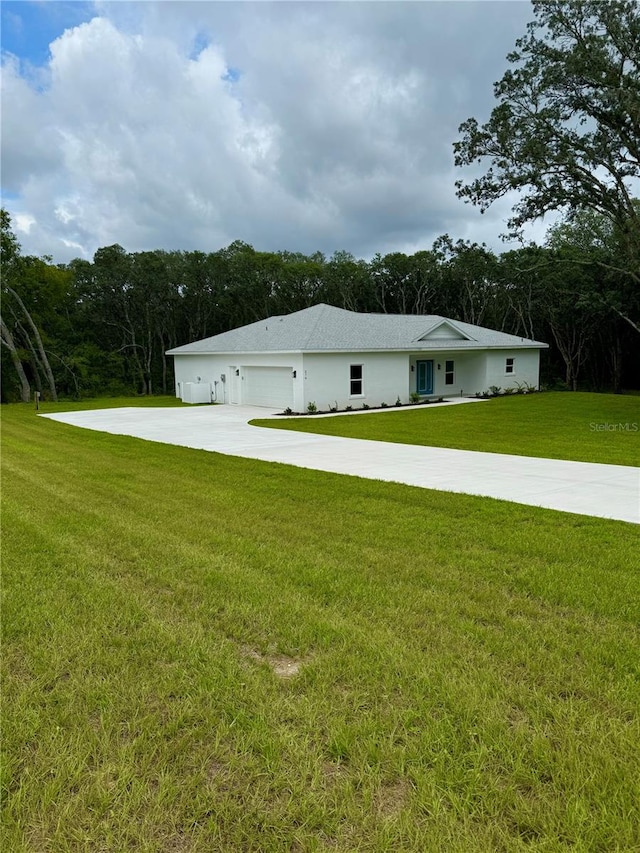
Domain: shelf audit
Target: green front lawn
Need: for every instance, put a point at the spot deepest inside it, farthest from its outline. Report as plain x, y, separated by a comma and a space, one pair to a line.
579, 426
205, 653
159, 401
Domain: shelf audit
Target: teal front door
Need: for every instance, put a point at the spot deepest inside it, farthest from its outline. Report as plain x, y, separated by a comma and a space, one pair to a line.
425, 377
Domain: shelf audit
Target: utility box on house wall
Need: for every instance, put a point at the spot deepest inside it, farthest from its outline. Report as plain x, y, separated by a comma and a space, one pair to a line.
196, 392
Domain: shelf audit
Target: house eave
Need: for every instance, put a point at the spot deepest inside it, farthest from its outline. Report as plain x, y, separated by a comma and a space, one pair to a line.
228, 352
457, 346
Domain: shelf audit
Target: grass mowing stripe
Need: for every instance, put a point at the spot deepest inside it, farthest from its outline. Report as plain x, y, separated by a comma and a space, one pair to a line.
468, 668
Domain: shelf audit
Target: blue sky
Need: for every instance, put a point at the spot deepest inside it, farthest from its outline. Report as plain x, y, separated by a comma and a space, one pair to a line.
288, 125
29, 26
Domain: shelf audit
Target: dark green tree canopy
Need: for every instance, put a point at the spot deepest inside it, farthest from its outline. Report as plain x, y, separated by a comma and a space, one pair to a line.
566, 131
104, 326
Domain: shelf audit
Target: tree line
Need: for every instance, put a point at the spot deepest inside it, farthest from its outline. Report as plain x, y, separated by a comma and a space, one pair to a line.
103, 326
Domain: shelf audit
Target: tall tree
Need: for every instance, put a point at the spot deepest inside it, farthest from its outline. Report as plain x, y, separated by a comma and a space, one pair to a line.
116, 302
469, 274
347, 283
9, 253
200, 286
566, 131
522, 289
31, 289
571, 315
588, 241
8, 341
40, 358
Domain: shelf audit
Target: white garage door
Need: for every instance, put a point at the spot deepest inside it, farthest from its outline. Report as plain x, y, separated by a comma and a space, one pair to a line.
268, 386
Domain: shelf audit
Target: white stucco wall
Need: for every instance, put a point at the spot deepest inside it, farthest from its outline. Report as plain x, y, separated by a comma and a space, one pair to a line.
324, 378
210, 368
187, 368
526, 368
385, 376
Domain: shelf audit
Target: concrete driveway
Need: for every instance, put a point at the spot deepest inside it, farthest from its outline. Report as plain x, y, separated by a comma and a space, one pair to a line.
607, 491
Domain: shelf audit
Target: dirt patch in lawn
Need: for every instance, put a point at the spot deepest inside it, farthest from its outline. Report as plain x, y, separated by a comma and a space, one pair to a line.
392, 797
282, 666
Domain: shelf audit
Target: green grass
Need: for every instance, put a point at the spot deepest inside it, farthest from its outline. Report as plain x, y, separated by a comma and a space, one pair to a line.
554, 424
469, 669
160, 400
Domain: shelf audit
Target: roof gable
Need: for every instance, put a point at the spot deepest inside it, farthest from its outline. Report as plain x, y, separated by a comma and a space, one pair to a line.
445, 330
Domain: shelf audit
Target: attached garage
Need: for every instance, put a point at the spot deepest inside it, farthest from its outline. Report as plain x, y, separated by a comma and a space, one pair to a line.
267, 386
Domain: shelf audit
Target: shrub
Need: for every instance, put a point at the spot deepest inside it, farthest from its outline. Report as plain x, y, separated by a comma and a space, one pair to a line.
312, 408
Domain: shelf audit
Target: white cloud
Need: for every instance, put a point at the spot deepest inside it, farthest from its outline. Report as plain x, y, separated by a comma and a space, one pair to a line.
289, 126
24, 222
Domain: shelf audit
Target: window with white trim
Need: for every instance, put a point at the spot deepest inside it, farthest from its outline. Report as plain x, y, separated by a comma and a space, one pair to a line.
510, 365
355, 380
449, 372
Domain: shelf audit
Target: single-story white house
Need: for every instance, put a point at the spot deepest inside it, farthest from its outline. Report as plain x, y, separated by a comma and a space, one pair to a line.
329, 356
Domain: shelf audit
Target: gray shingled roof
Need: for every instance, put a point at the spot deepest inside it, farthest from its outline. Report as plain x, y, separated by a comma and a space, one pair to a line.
324, 328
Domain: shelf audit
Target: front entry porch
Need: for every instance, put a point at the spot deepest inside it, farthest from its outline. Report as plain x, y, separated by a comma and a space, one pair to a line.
424, 377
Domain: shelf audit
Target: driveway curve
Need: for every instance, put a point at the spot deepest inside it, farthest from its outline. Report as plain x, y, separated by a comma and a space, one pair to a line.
585, 488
